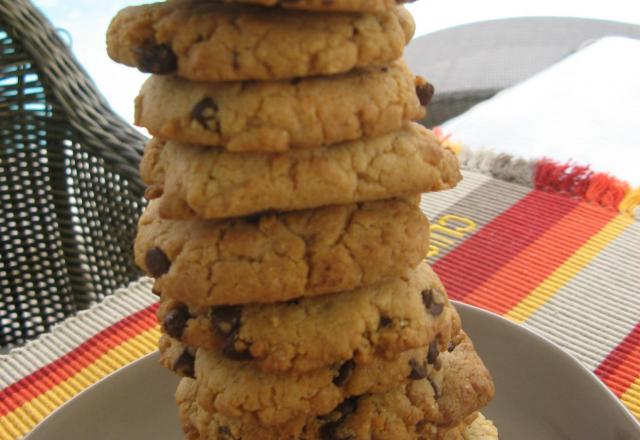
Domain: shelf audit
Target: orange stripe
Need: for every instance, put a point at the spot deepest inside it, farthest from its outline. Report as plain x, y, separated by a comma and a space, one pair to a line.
506, 287
24, 417
476, 259
68, 365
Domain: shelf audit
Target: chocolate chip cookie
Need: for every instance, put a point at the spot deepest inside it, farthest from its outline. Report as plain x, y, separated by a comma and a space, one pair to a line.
310, 333
422, 408
327, 5
408, 312
233, 388
278, 257
275, 116
213, 41
480, 429
213, 183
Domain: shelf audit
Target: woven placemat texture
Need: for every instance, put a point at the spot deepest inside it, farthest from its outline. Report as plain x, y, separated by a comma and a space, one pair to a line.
553, 247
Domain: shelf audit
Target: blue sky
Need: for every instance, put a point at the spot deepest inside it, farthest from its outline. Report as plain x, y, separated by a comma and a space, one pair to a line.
87, 20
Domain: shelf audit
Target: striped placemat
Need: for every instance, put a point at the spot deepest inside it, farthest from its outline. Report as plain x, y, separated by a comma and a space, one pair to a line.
554, 247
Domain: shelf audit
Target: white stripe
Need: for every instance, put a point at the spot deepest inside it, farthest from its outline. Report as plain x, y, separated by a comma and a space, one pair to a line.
72, 332
593, 312
433, 204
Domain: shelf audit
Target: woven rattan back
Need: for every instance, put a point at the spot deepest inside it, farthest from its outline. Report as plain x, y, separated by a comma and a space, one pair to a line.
69, 190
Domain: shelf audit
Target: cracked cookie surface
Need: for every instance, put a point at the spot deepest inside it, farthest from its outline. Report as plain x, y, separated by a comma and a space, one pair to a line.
234, 388
213, 183
420, 409
212, 41
382, 320
278, 257
275, 116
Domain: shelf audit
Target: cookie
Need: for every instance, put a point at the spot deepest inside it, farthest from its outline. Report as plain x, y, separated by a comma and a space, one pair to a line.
234, 388
328, 5
480, 429
212, 183
275, 116
402, 412
278, 257
299, 336
213, 41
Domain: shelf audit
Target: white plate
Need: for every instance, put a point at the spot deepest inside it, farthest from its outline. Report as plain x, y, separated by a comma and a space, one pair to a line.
542, 393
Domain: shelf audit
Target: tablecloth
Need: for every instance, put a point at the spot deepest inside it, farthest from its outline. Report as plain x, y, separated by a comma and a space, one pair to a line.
554, 247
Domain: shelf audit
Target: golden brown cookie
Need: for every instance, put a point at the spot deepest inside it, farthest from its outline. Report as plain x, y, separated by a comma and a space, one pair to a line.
234, 388
278, 257
213, 41
419, 409
212, 183
327, 5
299, 336
480, 429
275, 116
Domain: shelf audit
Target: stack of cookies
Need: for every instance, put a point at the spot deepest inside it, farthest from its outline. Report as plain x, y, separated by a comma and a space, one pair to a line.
283, 227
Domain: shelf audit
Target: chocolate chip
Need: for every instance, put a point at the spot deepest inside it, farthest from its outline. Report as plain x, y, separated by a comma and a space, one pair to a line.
427, 298
425, 93
205, 113
347, 407
175, 321
436, 309
157, 262
328, 430
417, 371
156, 58
432, 354
421, 425
184, 365
437, 392
344, 373
385, 321
225, 433
451, 347
235, 349
226, 319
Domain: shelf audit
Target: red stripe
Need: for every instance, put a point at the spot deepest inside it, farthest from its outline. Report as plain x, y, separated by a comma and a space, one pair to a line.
521, 275
50, 375
621, 367
469, 265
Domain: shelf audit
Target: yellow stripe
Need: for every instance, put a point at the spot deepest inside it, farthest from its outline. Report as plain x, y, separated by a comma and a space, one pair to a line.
630, 202
568, 270
22, 420
631, 397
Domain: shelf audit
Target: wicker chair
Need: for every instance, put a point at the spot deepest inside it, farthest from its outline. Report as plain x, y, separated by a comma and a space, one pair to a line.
69, 188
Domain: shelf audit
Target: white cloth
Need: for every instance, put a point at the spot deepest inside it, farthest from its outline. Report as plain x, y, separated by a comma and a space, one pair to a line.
585, 108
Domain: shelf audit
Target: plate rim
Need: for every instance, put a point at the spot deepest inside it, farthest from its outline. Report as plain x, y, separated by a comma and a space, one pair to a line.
525, 331
530, 332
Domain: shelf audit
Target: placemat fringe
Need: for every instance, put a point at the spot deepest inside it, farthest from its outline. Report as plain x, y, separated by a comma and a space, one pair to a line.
568, 179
